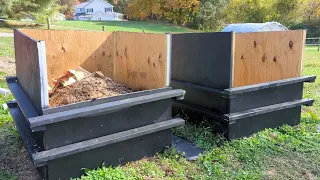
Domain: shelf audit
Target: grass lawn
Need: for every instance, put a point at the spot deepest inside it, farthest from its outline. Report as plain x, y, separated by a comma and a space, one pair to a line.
130, 26
6, 47
6, 29
283, 153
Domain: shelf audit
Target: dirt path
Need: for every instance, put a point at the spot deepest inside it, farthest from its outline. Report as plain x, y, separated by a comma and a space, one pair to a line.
8, 66
2, 34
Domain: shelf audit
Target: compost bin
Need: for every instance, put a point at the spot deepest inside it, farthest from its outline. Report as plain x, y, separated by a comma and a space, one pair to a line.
63, 140
243, 82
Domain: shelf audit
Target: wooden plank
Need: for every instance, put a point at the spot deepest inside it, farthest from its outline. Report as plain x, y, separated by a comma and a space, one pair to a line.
66, 49
203, 59
30, 70
141, 60
267, 56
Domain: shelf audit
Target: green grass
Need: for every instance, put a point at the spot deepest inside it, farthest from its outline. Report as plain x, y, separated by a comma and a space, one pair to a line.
6, 29
131, 26
6, 47
283, 153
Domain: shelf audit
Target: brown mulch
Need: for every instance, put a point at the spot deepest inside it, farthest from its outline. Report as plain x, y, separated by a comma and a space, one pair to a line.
88, 88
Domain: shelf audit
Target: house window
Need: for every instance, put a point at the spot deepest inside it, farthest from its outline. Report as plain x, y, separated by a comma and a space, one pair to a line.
90, 10
81, 9
107, 9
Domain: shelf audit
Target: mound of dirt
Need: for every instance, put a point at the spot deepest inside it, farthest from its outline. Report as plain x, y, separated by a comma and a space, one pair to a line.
88, 88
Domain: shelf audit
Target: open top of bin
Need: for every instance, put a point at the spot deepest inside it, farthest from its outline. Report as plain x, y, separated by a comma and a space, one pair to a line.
224, 60
137, 60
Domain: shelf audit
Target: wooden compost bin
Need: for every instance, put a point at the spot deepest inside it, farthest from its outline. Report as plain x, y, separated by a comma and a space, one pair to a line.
243, 82
114, 130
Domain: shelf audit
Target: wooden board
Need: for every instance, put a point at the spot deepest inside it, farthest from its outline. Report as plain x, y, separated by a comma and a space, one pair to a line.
66, 49
31, 69
267, 56
141, 60
203, 59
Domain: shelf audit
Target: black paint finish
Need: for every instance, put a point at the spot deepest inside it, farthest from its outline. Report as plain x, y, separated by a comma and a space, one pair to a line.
250, 125
203, 59
203, 97
245, 110
265, 97
243, 98
84, 128
84, 135
114, 154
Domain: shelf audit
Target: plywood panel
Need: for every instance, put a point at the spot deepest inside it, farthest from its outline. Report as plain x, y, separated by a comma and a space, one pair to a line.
141, 60
203, 58
267, 56
30, 69
66, 49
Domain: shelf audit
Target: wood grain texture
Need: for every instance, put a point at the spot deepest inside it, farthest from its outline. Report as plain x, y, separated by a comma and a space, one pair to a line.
29, 70
267, 56
66, 49
141, 60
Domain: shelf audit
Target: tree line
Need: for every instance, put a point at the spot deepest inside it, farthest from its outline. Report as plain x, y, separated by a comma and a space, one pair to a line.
207, 15
213, 15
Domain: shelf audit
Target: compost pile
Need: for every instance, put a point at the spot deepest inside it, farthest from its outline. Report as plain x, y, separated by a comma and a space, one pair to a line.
91, 87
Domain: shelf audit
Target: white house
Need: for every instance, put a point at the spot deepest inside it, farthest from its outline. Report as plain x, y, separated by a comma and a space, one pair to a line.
96, 10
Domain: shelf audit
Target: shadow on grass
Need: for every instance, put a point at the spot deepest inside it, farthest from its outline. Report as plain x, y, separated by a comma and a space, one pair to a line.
17, 24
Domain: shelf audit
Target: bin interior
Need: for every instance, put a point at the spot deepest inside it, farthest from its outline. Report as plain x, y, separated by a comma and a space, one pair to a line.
226, 60
144, 61
137, 60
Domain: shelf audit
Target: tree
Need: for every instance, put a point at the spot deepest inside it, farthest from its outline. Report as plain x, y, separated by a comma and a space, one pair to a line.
176, 11
259, 11
251, 11
287, 11
143, 9
181, 11
210, 15
5, 7
311, 10
67, 7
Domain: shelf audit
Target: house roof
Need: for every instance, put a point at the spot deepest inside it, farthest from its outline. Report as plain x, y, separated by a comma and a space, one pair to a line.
85, 4
82, 5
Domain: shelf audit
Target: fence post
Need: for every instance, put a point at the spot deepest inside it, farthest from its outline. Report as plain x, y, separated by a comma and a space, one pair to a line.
48, 23
103, 28
319, 44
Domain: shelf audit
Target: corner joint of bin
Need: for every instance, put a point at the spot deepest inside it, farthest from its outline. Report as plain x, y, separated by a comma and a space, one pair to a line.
311, 79
180, 97
37, 162
11, 79
309, 102
12, 103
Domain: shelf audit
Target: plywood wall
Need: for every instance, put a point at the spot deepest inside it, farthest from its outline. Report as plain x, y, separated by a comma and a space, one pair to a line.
66, 49
137, 60
31, 69
267, 56
141, 60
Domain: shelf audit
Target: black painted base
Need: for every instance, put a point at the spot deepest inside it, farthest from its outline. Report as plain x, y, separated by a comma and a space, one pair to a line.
246, 123
114, 154
242, 111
